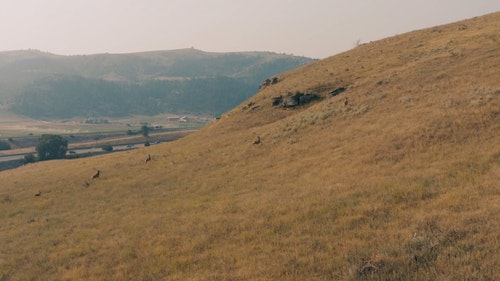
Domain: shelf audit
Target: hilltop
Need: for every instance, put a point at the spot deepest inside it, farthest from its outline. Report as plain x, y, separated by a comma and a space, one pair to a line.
398, 183
44, 85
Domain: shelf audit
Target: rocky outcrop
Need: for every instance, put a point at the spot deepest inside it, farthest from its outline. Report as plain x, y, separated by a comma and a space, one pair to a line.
269, 82
337, 91
294, 100
277, 100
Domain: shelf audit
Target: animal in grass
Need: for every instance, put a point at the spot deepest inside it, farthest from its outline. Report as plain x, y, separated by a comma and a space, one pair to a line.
96, 175
346, 101
148, 158
257, 141
38, 194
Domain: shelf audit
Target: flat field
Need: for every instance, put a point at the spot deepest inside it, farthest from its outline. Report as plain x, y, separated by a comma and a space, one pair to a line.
23, 133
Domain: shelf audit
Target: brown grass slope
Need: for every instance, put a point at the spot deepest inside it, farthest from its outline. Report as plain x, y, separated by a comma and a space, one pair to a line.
401, 184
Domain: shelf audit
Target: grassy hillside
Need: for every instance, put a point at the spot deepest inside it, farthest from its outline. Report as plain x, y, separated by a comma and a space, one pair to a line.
402, 183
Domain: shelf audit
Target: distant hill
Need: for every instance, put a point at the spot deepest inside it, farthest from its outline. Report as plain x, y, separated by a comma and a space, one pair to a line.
380, 163
44, 85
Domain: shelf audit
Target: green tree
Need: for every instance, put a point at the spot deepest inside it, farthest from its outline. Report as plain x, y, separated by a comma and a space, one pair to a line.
145, 131
4, 145
51, 147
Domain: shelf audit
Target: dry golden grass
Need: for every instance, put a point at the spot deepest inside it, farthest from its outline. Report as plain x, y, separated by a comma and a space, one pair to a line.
401, 184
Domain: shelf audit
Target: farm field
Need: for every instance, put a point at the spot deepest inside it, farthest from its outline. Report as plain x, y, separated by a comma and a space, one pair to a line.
22, 133
12, 125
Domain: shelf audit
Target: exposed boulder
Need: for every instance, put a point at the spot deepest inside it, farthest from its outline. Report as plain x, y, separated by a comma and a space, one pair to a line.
249, 105
277, 100
307, 98
291, 100
268, 82
252, 106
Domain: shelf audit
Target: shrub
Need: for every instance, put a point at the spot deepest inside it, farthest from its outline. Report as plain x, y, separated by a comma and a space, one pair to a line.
4, 145
30, 158
107, 147
144, 131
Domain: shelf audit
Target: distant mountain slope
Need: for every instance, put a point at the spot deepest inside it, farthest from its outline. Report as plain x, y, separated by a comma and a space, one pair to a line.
380, 163
44, 85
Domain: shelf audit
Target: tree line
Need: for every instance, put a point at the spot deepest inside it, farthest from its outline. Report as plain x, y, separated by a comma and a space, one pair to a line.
66, 97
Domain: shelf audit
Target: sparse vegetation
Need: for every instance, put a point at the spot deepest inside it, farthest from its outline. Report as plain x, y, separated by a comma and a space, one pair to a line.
401, 184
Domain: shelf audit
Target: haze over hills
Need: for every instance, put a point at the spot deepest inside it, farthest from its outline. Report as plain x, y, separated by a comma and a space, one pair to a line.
380, 163
44, 85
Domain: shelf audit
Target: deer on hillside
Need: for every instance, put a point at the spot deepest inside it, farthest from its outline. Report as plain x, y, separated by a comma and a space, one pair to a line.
96, 175
148, 158
346, 101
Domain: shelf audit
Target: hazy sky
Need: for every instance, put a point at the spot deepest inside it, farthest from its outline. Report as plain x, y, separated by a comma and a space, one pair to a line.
313, 28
